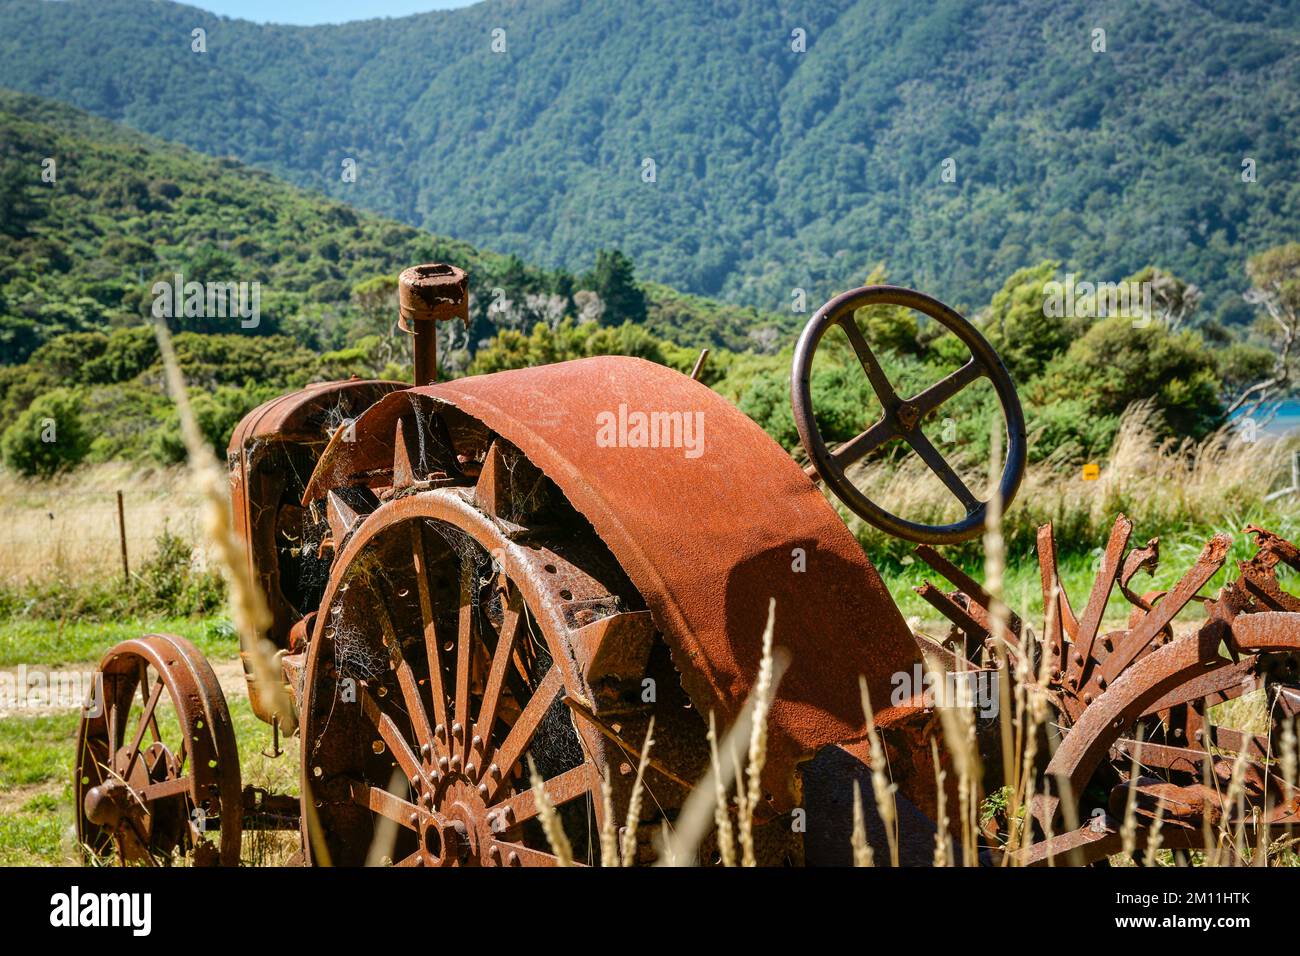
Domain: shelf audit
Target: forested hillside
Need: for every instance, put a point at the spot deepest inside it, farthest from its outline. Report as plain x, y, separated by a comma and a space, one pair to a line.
774, 169
93, 215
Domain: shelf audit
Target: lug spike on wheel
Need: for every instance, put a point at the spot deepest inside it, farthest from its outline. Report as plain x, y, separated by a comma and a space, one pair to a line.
403, 472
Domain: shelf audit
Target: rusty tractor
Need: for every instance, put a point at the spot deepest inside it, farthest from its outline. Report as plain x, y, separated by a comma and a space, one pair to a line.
464, 583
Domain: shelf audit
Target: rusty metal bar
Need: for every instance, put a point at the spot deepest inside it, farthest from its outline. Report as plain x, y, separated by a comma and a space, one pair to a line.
426, 295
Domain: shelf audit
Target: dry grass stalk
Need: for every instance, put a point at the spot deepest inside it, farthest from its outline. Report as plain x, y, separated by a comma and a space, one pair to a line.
942, 841
1287, 759
248, 608
722, 809
999, 614
958, 724
881, 785
634, 801
1151, 855
382, 844
681, 845
1235, 800
1128, 829
757, 757
608, 832
1033, 712
549, 819
862, 854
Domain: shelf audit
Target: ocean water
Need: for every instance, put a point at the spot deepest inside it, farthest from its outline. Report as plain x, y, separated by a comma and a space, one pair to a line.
1286, 421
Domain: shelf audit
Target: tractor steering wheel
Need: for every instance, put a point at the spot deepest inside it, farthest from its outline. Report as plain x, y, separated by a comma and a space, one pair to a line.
902, 417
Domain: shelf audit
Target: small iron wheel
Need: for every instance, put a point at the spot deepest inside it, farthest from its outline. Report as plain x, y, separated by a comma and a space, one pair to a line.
157, 766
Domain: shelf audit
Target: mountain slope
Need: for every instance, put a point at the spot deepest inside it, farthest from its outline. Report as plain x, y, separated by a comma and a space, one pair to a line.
775, 170
81, 254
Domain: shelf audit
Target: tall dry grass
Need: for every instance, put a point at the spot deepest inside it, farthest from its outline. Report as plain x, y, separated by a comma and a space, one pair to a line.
65, 528
1162, 484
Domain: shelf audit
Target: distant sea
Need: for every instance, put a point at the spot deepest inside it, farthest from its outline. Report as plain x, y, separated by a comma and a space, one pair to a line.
1287, 419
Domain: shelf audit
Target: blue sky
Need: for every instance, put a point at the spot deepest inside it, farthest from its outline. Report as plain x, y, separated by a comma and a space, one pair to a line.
321, 11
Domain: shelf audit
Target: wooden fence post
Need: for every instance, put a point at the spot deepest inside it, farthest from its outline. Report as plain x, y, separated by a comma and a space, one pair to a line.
121, 536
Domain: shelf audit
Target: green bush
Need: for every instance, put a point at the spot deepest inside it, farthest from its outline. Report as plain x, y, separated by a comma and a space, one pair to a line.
169, 583
48, 437
1115, 364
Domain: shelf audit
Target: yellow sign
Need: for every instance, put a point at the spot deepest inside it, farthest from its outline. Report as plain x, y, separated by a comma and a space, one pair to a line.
1091, 471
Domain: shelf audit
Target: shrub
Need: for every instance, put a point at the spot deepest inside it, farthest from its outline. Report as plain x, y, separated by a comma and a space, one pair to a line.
48, 437
170, 584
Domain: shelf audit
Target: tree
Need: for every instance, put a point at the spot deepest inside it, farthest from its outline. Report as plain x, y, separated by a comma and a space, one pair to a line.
48, 437
376, 300
1018, 326
1275, 287
1115, 364
612, 279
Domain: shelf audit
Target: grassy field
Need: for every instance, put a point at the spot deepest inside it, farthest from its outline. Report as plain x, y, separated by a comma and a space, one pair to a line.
66, 528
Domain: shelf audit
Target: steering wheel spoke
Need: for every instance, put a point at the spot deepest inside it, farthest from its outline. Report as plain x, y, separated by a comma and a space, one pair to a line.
939, 465
864, 444
944, 389
875, 374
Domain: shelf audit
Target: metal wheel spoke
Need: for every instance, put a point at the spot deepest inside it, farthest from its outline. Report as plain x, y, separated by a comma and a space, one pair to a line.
392, 737
431, 647
405, 677
165, 788
146, 718
530, 857
875, 374
570, 785
511, 622
144, 680
464, 637
937, 464
1090, 619
1206, 567
384, 803
526, 726
112, 727
946, 388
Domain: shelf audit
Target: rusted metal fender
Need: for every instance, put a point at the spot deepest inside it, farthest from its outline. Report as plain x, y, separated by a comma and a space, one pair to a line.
706, 538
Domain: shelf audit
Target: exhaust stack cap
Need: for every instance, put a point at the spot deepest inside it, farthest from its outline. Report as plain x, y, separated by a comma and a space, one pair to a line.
428, 294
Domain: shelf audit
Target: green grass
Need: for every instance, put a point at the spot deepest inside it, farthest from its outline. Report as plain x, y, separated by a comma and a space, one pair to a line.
46, 643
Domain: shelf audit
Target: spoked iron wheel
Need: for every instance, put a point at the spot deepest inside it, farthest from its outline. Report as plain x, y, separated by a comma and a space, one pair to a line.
450, 651
157, 765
